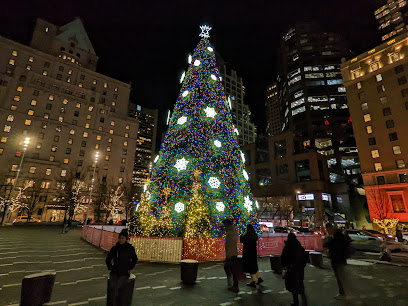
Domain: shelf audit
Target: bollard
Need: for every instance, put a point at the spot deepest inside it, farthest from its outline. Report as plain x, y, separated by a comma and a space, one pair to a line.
308, 255
316, 259
36, 288
276, 264
240, 268
188, 270
124, 294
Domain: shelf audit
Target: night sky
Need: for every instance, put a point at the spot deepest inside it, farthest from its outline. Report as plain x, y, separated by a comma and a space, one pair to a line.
147, 42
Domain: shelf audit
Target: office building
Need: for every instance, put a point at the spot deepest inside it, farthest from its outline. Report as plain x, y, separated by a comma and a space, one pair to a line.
273, 110
392, 18
145, 148
313, 99
241, 115
51, 94
377, 93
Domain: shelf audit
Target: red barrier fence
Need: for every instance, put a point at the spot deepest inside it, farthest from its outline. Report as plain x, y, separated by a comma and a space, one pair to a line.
201, 249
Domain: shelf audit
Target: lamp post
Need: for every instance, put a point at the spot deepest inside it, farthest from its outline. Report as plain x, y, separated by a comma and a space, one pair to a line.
26, 142
92, 186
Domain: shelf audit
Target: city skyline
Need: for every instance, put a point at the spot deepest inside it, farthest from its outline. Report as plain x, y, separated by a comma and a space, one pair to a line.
138, 33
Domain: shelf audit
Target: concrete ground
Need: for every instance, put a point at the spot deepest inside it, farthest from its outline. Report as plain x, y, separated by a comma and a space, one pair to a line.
82, 276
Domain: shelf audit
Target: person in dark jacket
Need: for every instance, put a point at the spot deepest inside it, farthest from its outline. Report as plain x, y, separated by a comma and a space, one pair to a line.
121, 259
338, 245
294, 259
250, 256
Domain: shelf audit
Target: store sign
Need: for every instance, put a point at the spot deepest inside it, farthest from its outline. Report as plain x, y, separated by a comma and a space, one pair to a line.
305, 197
325, 197
268, 224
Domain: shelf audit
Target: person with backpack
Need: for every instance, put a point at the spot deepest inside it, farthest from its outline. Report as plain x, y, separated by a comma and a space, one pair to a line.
339, 247
294, 259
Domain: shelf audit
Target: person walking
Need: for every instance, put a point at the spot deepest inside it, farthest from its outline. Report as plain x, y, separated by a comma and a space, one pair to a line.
339, 249
231, 252
250, 256
294, 259
120, 260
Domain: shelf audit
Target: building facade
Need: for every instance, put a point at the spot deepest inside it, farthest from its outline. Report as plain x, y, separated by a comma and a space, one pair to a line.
146, 145
51, 94
277, 169
241, 115
313, 99
273, 110
377, 93
392, 18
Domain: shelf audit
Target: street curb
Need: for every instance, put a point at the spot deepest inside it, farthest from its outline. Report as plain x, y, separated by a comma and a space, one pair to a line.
385, 262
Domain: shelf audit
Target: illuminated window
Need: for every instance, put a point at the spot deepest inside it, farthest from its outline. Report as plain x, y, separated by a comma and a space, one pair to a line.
125, 143
94, 82
97, 146
39, 144
126, 135
367, 117
123, 160
32, 169
31, 59
90, 108
51, 98
87, 125
30, 112
377, 166
13, 107
1, 151
65, 101
112, 123
33, 102
63, 172
17, 98
364, 106
20, 88
98, 137
10, 118
70, 71
11, 62
113, 103
105, 85
27, 122
45, 72
105, 167
110, 131
14, 167
100, 128
375, 154
378, 77
54, 148
128, 127
356, 73
110, 140
80, 85
124, 151
383, 100
375, 66
116, 89
52, 158
120, 180
396, 150
70, 141
14, 53
107, 157
66, 160
72, 132
7, 128
108, 149
61, 119
78, 105
400, 163
369, 129
28, 67
88, 117
45, 184
85, 135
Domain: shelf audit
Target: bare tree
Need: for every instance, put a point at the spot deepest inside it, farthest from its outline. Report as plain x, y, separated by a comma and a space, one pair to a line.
381, 209
29, 197
129, 197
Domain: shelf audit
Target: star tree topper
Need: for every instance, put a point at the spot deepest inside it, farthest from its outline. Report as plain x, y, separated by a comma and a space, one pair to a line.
205, 29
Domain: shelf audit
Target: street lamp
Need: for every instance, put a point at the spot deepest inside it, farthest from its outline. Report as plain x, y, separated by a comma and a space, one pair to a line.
26, 142
90, 192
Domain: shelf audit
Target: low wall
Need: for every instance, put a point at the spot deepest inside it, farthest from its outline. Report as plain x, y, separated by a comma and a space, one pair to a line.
173, 250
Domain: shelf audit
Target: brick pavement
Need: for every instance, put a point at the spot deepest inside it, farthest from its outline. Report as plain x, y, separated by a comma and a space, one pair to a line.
82, 275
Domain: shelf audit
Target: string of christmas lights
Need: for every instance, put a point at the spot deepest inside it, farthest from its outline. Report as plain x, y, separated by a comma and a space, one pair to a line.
198, 178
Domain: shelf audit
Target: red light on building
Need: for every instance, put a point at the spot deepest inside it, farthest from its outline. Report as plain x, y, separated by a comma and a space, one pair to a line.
349, 120
326, 122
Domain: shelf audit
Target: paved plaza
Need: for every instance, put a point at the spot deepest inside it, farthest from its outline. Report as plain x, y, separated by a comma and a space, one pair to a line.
82, 276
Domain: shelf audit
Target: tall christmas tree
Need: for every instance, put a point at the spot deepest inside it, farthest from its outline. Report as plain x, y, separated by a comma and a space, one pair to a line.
198, 178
